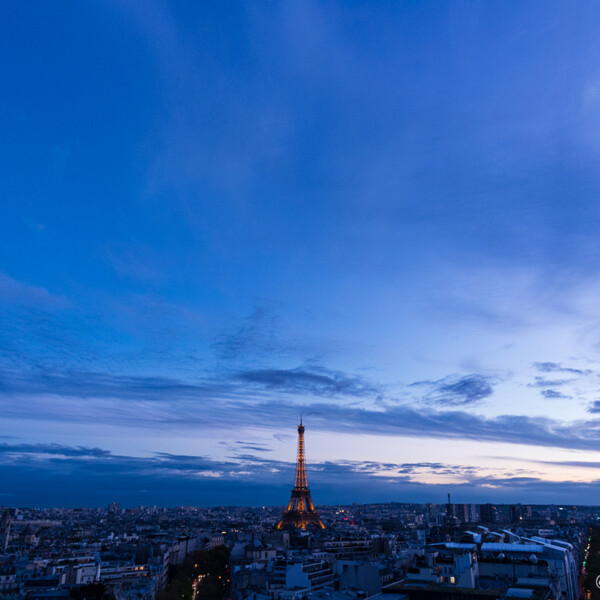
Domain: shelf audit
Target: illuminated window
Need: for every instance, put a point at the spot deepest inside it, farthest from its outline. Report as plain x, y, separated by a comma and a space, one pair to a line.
452, 579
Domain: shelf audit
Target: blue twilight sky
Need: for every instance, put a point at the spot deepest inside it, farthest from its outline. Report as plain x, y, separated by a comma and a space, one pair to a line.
215, 216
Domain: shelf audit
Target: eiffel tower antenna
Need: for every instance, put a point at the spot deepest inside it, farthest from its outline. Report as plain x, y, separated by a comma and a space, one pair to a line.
300, 510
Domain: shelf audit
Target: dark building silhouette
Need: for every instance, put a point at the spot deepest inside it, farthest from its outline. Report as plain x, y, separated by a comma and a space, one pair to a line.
488, 513
300, 511
516, 512
4, 530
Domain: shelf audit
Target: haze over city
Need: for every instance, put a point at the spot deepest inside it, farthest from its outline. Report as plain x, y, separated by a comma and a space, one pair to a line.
218, 216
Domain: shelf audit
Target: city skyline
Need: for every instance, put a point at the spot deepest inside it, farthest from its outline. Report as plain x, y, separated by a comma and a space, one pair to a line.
215, 218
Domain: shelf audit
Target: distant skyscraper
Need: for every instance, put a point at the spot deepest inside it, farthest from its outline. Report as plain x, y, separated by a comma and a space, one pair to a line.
4, 530
465, 513
487, 513
300, 511
516, 512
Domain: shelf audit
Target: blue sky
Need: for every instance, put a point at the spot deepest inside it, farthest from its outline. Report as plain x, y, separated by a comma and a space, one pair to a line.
217, 216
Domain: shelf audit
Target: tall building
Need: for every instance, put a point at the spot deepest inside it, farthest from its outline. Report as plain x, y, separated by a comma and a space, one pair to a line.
300, 511
465, 513
516, 513
450, 508
487, 513
4, 530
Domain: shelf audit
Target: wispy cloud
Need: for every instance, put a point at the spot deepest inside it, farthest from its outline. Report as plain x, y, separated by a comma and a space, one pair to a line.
93, 476
52, 449
25, 294
543, 382
554, 395
436, 468
150, 402
252, 447
553, 367
594, 407
584, 464
88, 384
254, 337
455, 424
132, 260
458, 391
318, 381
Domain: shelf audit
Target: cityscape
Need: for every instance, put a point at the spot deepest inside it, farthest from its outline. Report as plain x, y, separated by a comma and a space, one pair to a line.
299, 300
391, 551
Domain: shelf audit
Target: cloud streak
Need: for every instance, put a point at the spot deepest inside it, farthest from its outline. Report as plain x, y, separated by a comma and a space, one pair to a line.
79, 476
467, 390
554, 395
543, 382
53, 450
317, 381
25, 294
89, 384
594, 407
254, 337
458, 391
157, 402
553, 367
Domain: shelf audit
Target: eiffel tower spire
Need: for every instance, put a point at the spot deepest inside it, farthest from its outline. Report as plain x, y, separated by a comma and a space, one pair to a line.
300, 510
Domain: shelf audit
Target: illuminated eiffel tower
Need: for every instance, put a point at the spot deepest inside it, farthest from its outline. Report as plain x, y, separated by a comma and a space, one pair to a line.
300, 510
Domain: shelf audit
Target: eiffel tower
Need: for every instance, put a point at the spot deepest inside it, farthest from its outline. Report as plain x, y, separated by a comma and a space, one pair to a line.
300, 510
